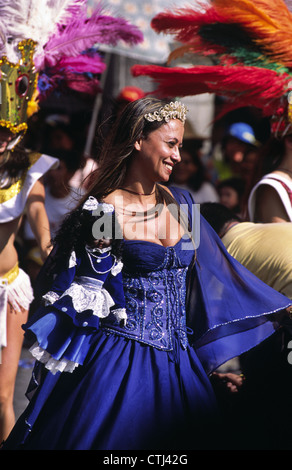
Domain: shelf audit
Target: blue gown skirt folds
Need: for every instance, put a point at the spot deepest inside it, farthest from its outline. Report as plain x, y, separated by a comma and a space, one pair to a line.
145, 384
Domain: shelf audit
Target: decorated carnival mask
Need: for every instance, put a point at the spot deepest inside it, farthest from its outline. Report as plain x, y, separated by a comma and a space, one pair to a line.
18, 83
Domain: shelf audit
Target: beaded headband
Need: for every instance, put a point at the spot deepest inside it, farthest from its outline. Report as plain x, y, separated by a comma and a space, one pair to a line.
173, 110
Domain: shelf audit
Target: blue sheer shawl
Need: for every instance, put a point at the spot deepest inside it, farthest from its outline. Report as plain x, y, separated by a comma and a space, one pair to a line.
229, 310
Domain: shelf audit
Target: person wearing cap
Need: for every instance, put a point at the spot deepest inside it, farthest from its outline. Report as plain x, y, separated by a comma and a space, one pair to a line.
239, 139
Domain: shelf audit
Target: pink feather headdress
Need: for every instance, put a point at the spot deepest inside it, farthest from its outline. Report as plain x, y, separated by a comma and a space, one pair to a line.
67, 40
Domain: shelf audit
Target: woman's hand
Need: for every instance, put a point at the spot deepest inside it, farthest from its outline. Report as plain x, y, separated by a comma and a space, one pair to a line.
229, 381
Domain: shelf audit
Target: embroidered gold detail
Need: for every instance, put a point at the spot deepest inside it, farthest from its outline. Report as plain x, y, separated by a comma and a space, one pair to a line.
18, 88
173, 110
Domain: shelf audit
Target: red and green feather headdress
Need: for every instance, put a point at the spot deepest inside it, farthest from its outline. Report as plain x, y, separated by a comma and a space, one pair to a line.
249, 44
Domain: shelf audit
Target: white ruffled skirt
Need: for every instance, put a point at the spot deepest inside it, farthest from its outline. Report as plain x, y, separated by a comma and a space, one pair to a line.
18, 294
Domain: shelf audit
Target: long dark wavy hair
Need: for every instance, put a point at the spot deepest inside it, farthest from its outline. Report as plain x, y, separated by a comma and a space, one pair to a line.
17, 163
116, 149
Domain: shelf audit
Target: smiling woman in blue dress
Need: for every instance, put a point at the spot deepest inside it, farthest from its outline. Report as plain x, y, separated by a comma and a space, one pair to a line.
144, 383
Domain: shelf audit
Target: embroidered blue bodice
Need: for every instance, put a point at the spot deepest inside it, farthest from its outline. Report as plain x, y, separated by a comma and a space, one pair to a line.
154, 279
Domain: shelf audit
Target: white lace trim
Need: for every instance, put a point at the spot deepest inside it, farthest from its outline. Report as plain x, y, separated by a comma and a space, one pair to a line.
72, 260
87, 295
95, 250
121, 315
50, 297
84, 298
53, 365
117, 268
19, 292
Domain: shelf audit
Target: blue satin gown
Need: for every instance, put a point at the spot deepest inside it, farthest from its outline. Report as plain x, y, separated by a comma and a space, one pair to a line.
145, 385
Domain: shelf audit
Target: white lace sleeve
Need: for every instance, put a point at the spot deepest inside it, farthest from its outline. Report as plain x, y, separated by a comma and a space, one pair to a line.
50, 297
117, 268
72, 260
121, 315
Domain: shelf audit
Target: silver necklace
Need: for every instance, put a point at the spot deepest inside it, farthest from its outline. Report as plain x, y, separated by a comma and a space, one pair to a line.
98, 256
102, 272
98, 252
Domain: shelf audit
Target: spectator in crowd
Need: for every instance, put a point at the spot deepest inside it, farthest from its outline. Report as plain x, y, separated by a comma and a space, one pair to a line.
60, 199
190, 173
239, 139
62, 132
231, 193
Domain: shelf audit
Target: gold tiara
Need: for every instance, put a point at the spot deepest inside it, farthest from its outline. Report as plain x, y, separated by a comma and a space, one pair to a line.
173, 110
